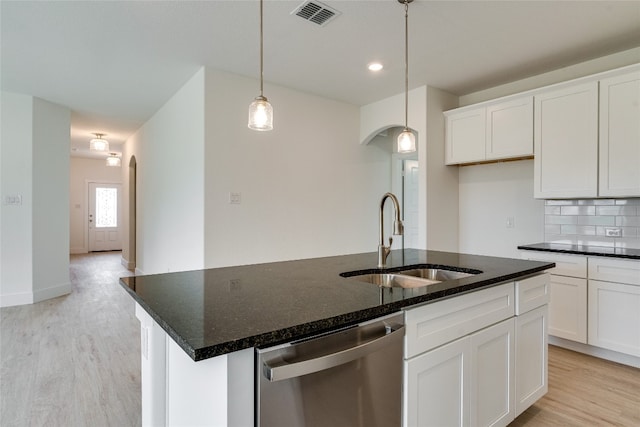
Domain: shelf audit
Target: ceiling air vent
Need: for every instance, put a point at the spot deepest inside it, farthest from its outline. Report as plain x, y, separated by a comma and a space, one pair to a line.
316, 12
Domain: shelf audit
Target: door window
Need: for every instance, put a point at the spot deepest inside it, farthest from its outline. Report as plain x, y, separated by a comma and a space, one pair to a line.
106, 207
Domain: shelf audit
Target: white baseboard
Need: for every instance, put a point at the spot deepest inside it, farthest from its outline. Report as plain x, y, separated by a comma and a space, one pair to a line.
9, 300
128, 264
52, 292
602, 353
76, 251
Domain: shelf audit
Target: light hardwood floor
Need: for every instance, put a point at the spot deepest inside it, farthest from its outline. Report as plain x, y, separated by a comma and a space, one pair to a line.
75, 361
585, 391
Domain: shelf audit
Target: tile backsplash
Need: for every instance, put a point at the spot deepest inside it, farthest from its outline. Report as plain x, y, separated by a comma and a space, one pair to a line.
588, 221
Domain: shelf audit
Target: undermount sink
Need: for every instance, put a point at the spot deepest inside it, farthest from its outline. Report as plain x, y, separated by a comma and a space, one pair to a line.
391, 280
411, 278
436, 274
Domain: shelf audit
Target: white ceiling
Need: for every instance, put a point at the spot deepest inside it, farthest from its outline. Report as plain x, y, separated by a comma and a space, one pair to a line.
114, 63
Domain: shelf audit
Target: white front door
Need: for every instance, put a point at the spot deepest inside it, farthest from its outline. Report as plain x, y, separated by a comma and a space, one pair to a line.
104, 217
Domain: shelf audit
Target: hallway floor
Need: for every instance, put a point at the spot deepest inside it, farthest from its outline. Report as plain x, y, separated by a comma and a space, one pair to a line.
73, 360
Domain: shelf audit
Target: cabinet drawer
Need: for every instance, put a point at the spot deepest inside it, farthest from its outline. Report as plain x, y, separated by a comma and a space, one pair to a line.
432, 325
614, 270
566, 265
531, 293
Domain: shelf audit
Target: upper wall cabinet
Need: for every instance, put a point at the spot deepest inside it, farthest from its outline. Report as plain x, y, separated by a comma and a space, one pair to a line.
566, 142
490, 132
620, 136
465, 135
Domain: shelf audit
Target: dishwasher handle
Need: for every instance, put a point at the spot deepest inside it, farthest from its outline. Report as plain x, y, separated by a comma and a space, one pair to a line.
322, 363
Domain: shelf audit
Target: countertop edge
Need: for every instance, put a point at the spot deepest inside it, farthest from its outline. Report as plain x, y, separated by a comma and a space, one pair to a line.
306, 330
572, 250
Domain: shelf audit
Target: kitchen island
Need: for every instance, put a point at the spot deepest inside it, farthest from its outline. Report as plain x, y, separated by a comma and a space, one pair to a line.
206, 324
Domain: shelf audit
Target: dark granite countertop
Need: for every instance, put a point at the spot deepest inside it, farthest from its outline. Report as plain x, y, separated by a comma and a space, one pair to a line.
217, 311
584, 250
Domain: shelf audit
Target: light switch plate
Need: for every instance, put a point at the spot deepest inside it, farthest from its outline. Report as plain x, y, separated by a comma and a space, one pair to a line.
234, 198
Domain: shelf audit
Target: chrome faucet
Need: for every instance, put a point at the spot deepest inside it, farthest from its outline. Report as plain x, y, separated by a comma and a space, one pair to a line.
398, 229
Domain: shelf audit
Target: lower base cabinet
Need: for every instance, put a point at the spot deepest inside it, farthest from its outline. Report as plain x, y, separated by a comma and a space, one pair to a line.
531, 357
614, 316
568, 308
468, 382
488, 377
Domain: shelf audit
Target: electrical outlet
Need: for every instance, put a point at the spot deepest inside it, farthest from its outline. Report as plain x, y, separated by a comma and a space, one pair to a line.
613, 232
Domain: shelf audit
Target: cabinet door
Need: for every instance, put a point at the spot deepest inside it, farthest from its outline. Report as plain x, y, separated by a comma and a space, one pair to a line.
566, 142
465, 136
510, 129
568, 308
437, 386
620, 136
531, 358
614, 316
492, 382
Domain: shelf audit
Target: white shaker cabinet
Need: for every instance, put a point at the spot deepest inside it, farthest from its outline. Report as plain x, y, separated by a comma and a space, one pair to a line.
468, 382
568, 308
568, 294
510, 129
437, 386
620, 136
614, 304
463, 356
494, 131
531, 358
465, 136
493, 375
566, 142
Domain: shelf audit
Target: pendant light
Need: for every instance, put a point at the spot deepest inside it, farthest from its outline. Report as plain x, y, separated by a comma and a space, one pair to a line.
406, 139
260, 111
99, 143
113, 160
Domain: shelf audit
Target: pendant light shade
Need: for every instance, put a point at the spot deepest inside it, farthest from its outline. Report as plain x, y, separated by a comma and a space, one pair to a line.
260, 111
98, 143
113, 160
260, 114
406, 139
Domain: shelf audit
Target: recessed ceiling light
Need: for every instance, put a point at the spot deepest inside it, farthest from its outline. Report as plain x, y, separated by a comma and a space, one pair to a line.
375, 66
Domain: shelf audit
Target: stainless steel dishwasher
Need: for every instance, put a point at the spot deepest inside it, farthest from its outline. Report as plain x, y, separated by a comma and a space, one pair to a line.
348, 378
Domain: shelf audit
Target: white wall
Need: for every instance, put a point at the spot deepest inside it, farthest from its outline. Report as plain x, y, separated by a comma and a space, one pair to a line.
594, 66
441, 180
169, 150
438, 184
491, 193
35, 234
16, 273
82, 171
51, 147
308, 188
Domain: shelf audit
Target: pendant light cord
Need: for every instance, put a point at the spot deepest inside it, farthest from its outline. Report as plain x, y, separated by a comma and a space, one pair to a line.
406, 64
261, 54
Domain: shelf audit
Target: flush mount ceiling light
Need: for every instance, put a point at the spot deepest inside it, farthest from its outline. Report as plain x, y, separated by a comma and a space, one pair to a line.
406, 139
98, 143
375, 66
260, 111
113, 160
